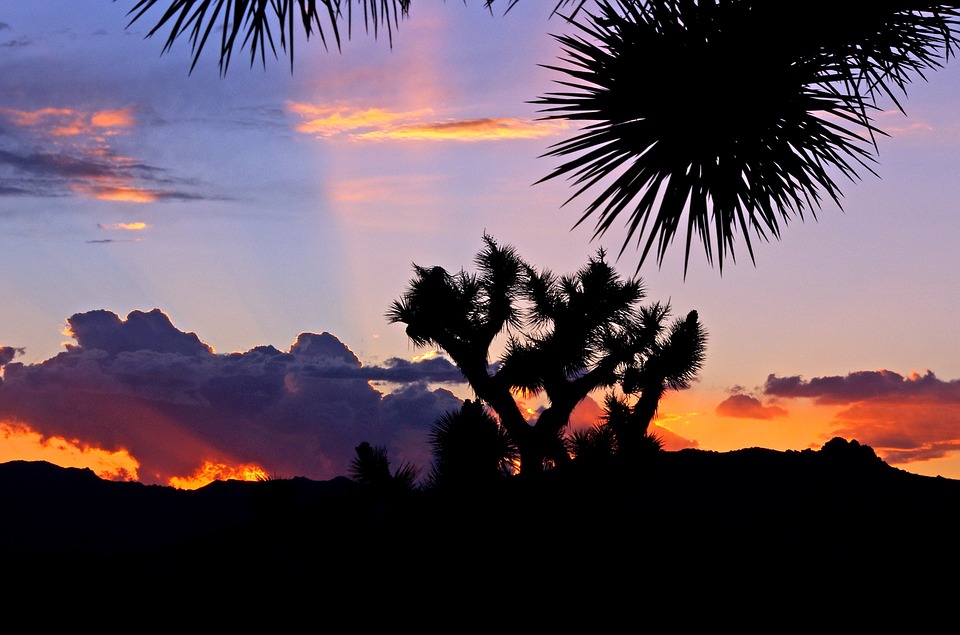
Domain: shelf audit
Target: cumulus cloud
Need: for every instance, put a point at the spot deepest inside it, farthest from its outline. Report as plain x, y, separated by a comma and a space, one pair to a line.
162, 395
747, 407
7, 353
903, 418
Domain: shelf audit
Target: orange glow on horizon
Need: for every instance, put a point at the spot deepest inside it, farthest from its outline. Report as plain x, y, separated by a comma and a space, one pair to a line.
211, 471
19, 442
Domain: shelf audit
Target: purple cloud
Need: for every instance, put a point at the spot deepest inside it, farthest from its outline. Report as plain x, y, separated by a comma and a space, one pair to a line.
863, 385
7, 353
142, 385
747, 407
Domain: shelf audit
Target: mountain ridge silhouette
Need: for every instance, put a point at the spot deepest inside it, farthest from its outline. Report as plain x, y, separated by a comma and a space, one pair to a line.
769, 518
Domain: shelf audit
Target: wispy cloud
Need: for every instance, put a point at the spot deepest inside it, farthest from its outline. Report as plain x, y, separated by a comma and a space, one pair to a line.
487, 129
15, 43
135, 226
69, 152
67, 122
327, 122
378, 124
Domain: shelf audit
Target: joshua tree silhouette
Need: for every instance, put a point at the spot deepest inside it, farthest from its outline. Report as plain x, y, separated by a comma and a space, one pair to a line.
565, 337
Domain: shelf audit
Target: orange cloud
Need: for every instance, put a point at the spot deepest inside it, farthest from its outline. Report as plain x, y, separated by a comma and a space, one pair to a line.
670, 440
912, 430
464, 130
32, 118
77, 155
66, 122
137, 226
120, 118
378, 124
904, 418
19, 442
212, 471
325, 122
116, 193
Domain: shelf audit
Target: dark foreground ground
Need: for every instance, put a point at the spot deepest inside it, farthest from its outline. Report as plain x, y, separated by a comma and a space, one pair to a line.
747, 529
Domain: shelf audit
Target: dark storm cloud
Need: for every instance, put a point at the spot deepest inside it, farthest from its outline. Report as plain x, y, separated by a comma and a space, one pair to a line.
151, 331
143, 385
864, 385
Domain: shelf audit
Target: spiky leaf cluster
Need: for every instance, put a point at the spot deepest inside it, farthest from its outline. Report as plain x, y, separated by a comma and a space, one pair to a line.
730, 116
263, 25
470, 448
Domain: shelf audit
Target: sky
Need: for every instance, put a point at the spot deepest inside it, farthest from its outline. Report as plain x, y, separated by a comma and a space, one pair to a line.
197, 269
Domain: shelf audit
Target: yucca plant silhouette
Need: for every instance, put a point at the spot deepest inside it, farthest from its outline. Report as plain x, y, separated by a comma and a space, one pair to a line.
371, 468
470, 449
730, 116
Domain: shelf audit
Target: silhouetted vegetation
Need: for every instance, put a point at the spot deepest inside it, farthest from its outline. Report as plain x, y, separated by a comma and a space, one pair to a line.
734, 113
470, 449
564, 338
371, 468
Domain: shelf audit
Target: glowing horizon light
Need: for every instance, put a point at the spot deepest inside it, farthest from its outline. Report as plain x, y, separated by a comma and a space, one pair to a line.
211, 471
425, 356
19, 442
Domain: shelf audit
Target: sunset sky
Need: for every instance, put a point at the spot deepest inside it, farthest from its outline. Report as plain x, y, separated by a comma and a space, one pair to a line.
196, 269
